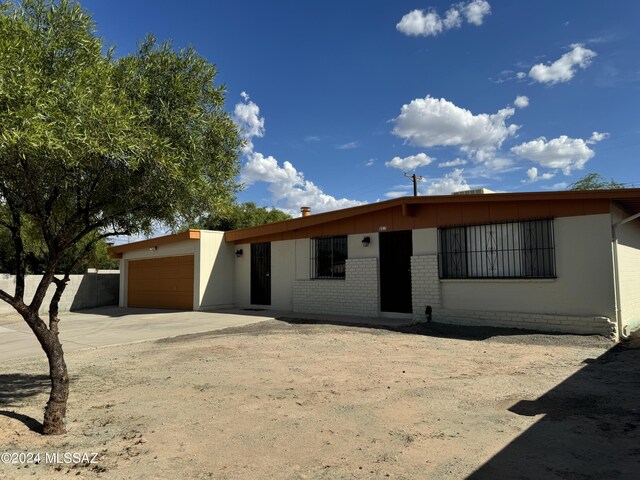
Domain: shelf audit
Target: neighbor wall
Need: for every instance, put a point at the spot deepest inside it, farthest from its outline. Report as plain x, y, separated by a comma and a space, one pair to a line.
95, 289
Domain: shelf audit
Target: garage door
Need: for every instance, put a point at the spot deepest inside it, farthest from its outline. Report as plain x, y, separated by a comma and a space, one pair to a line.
161, 283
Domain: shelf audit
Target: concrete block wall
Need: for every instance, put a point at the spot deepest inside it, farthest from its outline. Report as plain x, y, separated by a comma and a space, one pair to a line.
425, 284
530, 321
357, 294
83, 291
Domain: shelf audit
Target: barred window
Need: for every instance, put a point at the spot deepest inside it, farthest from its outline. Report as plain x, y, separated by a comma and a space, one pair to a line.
328, 257
498, 250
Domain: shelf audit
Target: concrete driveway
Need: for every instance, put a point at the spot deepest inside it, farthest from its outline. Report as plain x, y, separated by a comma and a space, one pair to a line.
102, 327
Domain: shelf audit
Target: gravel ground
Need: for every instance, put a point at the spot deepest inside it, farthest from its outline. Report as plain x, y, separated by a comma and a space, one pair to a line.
291, 399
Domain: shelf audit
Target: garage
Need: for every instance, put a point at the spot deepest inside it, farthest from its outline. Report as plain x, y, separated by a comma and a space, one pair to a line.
165, 282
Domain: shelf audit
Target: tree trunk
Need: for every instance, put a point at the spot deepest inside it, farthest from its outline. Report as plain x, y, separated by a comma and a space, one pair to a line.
56, 410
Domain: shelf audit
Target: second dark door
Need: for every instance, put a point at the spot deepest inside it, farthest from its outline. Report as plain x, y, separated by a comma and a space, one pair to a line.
395, 271
261, 273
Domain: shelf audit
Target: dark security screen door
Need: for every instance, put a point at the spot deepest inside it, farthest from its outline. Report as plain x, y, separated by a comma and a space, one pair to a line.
261, 273
395, 271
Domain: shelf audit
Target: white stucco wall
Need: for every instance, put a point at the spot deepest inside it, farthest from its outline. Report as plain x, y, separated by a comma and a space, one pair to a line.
283, 274
583, 287
425, 241
629, 269
242, 277
217, 271
356, 250
303, 259
186, 247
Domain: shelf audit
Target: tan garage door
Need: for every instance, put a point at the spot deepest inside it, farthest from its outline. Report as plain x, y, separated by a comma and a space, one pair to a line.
161, 283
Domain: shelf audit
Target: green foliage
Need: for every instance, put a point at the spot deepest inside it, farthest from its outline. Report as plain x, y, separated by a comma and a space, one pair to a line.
92, 146
242, 216
595, 181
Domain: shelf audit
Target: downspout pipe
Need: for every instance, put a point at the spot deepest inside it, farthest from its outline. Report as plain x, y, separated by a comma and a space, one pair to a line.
623, 330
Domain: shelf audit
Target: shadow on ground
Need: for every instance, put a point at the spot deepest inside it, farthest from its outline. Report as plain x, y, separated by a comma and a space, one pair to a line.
14, 388
463, 332
590, 428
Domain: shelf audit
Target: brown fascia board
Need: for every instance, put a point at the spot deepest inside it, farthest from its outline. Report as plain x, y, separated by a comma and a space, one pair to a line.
117, 250
630, 194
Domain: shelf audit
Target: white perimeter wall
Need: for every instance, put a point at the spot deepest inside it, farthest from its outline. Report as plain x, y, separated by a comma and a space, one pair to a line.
83, 291
629, 269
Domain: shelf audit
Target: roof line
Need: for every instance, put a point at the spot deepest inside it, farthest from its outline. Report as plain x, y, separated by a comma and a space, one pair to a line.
318, 218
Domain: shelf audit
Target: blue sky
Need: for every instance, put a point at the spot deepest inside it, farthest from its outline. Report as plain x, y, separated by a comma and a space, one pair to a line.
339, 98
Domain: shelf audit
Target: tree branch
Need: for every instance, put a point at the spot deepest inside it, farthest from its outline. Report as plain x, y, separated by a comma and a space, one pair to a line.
61, 284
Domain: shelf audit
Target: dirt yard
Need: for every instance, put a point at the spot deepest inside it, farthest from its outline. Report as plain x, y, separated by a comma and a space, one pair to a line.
288, 400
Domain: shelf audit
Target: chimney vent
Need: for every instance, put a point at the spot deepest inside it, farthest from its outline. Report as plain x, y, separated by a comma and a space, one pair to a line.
306, 211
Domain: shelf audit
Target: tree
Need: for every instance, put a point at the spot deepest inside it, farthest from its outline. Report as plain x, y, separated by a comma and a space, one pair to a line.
595, 181
242, 216
92, 146
35, 259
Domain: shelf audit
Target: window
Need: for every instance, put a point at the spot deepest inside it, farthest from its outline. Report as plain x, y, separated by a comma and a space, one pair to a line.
498, 250
328, 257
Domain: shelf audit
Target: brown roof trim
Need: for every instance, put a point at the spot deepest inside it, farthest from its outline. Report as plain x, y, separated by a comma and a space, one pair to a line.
117, 250
628, 198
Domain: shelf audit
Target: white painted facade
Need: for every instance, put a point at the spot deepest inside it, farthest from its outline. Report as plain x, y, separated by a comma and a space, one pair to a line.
581, 299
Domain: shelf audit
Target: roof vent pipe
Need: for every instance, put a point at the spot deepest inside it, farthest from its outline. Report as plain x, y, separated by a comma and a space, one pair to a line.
305, 211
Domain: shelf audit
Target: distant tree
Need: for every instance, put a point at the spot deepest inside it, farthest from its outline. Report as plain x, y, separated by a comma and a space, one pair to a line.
595, 181
92, 146
242, 216
36, 261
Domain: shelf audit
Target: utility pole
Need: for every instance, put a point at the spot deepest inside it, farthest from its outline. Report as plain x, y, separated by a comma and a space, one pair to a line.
415, 179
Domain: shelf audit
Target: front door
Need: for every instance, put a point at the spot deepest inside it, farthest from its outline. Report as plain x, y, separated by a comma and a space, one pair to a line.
395, 271
261, 273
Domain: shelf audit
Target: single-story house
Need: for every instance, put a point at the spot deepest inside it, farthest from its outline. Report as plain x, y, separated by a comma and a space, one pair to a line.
554, 261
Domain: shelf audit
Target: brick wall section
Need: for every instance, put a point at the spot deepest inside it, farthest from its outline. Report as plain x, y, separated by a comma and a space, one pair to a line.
531, 321
357, 294
425, 285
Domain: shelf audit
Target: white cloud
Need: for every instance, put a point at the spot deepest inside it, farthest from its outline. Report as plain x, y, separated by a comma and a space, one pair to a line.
432, 122
563, 69
521, 101
452, 163
429, 23
411, 162
347, 146
520, 75
451, 182
288, 187
396, 193
476, 10
452, 19
563, 152
417, 22
370, 162
532, 173
247, 116
597, 137
311, 138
